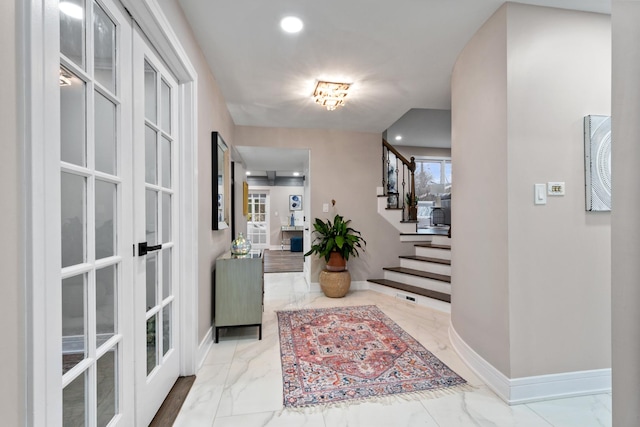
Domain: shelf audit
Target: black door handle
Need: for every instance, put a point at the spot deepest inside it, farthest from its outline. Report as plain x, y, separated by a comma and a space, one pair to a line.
143, 249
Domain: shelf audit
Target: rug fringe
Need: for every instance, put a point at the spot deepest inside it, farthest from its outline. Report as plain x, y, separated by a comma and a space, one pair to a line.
386, 400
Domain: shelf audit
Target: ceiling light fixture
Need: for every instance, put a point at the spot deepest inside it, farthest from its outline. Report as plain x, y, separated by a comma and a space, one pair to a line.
296, 174
291, 24
331, 95
248, 172
71, 9
398, 137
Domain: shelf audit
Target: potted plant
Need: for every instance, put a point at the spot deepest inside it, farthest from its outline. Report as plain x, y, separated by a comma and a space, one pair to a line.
335, 242
412, 205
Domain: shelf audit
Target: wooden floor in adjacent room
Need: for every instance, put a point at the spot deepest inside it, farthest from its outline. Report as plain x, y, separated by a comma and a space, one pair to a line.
170, 408
285, 261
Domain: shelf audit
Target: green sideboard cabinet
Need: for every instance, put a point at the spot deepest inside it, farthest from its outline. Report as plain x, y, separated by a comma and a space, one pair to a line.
239, 291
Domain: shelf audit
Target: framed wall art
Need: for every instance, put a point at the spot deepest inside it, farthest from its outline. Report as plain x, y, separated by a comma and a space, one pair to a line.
295, 203
597, 166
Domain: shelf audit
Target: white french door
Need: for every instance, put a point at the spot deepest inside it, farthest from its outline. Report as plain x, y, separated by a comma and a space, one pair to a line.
155, 204
258, 219
118, 190
96, 227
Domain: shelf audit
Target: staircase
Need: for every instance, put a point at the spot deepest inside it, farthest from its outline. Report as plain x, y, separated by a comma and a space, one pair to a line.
427, 273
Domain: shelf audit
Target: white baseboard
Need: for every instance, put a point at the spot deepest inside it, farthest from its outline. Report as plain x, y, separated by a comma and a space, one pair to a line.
368, 286
203, 348
531, 389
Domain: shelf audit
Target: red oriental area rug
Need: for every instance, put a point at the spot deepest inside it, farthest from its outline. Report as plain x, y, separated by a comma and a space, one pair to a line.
332, 355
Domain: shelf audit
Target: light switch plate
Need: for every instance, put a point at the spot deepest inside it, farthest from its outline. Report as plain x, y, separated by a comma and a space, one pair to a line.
555, 188
539, 194
325, 207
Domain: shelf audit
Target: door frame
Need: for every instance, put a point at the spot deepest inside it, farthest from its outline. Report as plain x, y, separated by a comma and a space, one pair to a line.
38, 23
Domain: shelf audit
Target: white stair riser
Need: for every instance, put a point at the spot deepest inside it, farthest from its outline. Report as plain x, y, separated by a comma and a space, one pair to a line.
431, 267
433, 252
421, 282
416, 238
420, 300
441, 240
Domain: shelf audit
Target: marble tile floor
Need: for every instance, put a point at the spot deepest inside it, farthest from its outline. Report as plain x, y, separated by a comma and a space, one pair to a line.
240, 383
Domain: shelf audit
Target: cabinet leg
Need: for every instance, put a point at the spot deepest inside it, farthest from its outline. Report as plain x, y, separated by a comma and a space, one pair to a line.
259, 332
216, 337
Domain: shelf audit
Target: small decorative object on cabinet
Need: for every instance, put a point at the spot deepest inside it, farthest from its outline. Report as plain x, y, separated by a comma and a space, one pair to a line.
240, 246
239, 291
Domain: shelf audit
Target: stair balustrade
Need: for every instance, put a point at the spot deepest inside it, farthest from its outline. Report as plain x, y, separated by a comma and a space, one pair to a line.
395, 167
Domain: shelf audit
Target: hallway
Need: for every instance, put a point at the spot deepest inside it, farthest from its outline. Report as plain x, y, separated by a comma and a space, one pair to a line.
240, 383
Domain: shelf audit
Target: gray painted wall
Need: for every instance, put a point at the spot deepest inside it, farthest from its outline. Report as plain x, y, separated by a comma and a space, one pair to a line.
531, 287
345, 166
625, 227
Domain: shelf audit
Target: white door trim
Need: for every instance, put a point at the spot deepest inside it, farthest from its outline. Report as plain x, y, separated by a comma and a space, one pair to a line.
154, 24
41, 130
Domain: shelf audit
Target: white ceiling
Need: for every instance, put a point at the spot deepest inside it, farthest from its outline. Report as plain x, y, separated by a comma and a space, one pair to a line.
283, 161
398, 55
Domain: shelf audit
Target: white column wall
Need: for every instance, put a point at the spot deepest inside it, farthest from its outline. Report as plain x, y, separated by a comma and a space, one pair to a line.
531, 286
479, 232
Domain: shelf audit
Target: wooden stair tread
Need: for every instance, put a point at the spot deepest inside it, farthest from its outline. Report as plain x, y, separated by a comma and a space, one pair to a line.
432, 245
409, 221
425, 232
418, 273
413, 289
426, 259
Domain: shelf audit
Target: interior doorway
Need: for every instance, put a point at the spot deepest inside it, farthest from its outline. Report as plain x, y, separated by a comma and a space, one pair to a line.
258, 219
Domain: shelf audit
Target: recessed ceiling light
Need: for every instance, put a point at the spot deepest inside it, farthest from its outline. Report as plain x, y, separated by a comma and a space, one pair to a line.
398, 137
296, 174
248, 172
291, 24
71, 9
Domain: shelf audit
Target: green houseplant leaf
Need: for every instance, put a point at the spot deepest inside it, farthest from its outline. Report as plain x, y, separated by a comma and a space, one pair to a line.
335, 236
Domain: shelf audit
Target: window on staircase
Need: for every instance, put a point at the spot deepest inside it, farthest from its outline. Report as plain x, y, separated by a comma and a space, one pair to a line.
433, 178
433, 182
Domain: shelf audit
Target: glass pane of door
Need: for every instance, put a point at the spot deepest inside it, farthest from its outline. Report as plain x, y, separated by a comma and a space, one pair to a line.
107, 381
73, 110
105, 122
74, 321
72, 31
74, 402
74, 218
104, 48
